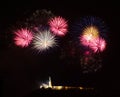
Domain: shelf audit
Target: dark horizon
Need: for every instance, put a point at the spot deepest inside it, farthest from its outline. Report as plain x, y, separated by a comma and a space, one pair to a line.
20, 69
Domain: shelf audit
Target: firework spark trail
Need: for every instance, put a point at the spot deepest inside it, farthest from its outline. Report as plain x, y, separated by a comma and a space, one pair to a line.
44, 40
90, 64
58, 26
39, 18
23, 37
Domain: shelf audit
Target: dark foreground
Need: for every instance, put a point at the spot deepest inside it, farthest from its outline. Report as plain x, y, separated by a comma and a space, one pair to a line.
65, 93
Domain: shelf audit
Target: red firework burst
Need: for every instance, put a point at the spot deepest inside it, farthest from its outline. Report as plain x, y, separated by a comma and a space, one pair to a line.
23, 37
58, 26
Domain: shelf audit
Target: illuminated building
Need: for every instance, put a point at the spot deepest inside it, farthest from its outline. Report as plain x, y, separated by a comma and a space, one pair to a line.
49, 85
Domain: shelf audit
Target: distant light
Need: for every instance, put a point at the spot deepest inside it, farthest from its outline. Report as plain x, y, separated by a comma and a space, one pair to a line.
57, 87
49, 85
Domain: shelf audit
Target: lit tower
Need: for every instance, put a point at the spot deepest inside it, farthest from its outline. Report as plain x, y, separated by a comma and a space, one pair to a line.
50, 82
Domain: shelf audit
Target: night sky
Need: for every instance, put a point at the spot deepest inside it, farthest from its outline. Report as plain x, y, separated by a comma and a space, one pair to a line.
21, 70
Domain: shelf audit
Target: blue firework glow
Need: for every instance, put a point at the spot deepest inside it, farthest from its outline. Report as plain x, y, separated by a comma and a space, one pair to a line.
87, 21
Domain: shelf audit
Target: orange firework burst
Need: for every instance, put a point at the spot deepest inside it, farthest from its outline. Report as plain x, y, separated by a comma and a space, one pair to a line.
91, 31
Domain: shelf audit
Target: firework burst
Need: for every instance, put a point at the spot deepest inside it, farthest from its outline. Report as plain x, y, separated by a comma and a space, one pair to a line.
91, 24
98, 45
86, 40
91, 31
94, 22
23, 37
95, 44
44, 40
88, 36
58, 26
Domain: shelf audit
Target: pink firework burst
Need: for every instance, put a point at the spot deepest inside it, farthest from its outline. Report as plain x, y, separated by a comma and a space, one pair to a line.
98, 45
23, 37
58, 26
86, 40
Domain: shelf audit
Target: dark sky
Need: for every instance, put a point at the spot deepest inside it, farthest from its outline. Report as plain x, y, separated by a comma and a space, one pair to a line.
21, 70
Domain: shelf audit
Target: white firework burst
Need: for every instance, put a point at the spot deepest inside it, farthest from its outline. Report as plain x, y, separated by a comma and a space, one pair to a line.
44, 40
